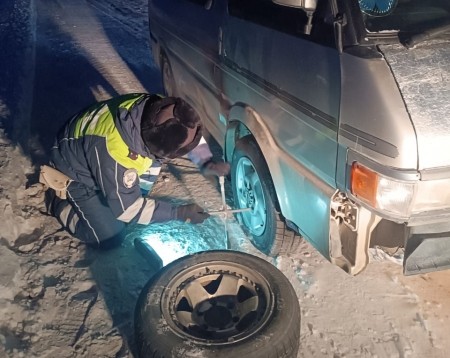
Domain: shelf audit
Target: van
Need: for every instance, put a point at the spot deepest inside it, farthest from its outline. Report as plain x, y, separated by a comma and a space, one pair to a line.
334, 115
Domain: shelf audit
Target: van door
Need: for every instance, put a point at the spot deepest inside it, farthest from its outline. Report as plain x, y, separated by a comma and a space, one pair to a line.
292, 79
190, 34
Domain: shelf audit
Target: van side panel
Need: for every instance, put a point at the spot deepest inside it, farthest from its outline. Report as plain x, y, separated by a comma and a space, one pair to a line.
309, 196
293, 84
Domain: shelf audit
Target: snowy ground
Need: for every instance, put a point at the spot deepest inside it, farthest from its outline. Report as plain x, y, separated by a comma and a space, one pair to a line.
61, 299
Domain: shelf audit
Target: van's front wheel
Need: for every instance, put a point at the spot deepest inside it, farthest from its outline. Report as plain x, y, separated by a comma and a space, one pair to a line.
253, 188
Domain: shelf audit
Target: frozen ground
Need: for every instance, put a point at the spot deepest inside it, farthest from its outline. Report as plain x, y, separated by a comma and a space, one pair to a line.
61, 299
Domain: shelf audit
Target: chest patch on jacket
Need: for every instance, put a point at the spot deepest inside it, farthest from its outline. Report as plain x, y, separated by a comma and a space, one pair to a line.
130, 178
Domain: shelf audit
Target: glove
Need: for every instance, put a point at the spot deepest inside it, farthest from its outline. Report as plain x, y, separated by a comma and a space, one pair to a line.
215, 168
191, 213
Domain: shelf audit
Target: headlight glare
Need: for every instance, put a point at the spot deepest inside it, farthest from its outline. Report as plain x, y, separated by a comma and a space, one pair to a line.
389, 196
395, 196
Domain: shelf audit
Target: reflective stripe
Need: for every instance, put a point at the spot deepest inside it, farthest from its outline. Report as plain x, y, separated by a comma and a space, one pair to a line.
73, 223
116, 146
153, 171
117, 189
119, 150
100, 170
94, 121
100, 121
85, 124
64, 215
84, 217
147, 212
132, 211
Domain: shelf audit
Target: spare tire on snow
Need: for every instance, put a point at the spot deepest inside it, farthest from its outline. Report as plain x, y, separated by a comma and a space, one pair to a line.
218, 304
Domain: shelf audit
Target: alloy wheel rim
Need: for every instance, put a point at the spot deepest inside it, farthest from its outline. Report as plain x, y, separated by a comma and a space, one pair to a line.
250, 195
218, 303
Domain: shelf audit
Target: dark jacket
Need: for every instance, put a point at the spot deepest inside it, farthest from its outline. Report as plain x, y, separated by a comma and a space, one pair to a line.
102, 148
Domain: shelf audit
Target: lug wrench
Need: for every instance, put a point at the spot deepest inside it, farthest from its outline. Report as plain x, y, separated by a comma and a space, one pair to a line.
224, 212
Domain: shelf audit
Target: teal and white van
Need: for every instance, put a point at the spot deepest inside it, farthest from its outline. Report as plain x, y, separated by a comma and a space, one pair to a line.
333, 113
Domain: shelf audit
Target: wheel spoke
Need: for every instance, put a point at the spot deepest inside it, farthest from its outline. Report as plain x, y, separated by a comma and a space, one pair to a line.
239, 183
247, 181
256, 222
185, 318
258, 192
254, 181
195, 293
248, 306
243, 184
228, 286
242, 198
260, 212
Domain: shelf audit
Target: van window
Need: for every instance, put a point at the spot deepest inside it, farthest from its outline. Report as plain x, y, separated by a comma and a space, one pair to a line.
286, 19
410, 16
266, 13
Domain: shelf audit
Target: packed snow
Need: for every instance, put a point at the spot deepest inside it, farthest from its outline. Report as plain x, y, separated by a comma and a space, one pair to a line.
59, 298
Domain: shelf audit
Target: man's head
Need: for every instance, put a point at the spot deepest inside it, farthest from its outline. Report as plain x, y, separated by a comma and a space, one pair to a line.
170, 127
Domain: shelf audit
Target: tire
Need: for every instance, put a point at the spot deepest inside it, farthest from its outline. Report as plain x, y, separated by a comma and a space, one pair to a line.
168, 80
253, 187
218, 304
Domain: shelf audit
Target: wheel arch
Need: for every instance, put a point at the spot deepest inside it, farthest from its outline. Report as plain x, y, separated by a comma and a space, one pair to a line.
245, 121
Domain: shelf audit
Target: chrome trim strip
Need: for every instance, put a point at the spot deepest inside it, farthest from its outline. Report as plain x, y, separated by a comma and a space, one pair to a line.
394, 173
311, 111
435, 173
369, 141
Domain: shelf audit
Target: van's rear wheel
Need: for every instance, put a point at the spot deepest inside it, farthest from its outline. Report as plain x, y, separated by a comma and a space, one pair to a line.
218, 304
167, 77
253, 188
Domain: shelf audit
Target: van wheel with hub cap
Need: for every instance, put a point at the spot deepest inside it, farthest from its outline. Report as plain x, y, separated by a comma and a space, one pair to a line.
253, 188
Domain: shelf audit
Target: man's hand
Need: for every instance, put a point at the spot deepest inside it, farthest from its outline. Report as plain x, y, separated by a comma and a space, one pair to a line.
191, 213
215, 168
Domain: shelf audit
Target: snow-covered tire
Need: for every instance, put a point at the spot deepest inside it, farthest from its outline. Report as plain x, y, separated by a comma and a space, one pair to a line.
253, 187
218, 304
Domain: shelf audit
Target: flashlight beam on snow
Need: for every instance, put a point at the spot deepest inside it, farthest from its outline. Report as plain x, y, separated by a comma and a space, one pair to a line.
154, 248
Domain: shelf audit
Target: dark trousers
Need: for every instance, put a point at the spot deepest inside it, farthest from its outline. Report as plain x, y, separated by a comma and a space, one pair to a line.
86, 216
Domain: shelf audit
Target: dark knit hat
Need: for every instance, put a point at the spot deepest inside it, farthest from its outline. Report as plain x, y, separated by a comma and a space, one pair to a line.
170, 127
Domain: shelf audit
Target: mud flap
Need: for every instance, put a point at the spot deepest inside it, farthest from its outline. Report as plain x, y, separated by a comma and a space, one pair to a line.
350, 230
426, 252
